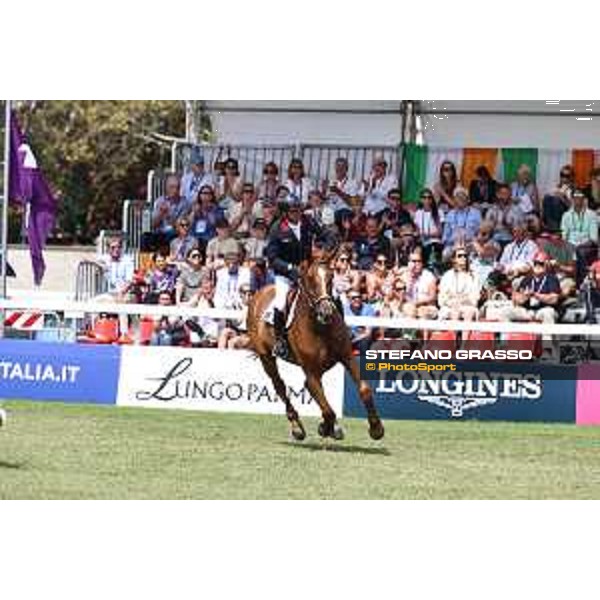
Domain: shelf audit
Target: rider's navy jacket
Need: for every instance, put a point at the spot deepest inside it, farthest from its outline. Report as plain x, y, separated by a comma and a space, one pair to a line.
284, 248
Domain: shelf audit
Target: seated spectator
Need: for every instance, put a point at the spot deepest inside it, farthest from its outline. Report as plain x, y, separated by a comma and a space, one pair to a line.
241, 214
270, 182
517, 257
169, 208
460, 289
484, 252
378, 278
371, 245
267, 211
168, 331
235, 333
393, 304
420, 286
592, 191
579, 227
320, 211
348, 228
341, 189
283, 194
162, 278
362, 337
298, 184
403, 245
394, 216
228, 281
260, 275
556, 203
562, 255
462, 222
191, 275
205, 327
503, 215
204, 216
377, 187
221, 245
524, 191
196, 177
590, 293
538, 294
344, 277
183, 243
445, 187
255, 245
229, 189
482, 191
429, 226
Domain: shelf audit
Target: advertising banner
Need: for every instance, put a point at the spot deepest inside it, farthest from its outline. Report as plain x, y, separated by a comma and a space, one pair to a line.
63, 372
216, 380
588, 394
483, 391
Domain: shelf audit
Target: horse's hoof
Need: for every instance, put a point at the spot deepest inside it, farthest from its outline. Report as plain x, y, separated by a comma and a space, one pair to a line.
376, 430
338, 433
297, 433
325, 429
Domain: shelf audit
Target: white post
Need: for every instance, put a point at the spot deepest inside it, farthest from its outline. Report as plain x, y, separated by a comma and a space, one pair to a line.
5, 196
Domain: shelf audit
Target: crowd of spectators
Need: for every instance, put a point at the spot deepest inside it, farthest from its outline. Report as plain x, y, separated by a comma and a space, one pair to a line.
480, 250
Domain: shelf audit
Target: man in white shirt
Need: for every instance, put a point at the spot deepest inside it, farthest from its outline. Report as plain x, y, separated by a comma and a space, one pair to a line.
420, 288
196, 177
118, 269
517, 257
340, 190
376, 188
460, 289
229, 280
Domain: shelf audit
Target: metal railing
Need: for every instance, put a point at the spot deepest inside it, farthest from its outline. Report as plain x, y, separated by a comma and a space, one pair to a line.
89, 281
137, 219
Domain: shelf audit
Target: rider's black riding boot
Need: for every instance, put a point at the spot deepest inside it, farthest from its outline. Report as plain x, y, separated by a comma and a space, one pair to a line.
280, 348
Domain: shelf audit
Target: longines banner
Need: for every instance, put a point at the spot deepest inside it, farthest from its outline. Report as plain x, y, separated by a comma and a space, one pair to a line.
485, 391
216, 380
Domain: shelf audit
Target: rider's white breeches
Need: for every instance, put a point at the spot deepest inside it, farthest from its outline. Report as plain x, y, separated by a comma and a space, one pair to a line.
282, 287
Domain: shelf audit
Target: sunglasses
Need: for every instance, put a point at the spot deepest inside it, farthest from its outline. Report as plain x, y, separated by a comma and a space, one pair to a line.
248, 191
566, 175
400, 289
381, 261
195, 255
270, 172
539, 263
344, 259
184, 225
415, 260
461, 256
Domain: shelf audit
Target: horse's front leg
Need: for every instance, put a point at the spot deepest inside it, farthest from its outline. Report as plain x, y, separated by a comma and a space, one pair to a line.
328, 427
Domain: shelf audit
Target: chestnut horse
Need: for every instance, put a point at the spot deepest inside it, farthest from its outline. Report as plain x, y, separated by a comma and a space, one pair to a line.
318, 339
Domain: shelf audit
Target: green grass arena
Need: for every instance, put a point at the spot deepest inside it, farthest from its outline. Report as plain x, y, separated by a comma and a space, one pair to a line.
58, 451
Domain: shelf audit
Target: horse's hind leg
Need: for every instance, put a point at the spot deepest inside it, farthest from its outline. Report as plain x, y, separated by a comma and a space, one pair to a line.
376, 430
270, 366
329, 427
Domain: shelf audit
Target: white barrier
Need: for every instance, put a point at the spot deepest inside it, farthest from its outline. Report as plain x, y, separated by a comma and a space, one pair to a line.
215, 380
213, 313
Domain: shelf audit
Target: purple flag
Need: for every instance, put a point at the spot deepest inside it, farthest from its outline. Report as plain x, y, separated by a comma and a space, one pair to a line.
29, 189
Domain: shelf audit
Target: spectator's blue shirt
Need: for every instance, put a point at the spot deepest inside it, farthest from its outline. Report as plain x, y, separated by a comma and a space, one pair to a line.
366, 310
461, 224
203, 226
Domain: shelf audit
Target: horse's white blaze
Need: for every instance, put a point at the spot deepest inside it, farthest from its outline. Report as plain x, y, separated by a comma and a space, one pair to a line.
321, 272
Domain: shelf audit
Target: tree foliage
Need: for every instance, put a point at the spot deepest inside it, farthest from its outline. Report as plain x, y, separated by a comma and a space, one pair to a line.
95, 154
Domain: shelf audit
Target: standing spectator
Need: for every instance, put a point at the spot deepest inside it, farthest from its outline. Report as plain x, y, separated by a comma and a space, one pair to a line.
420, 286
429, 226
377, 187
204, 216
445, 187
270, 183
362, 337
191, 275
229, 279
482, 190
298, 184
556, 203
524, 191
341, 191
462, 222
579, 227
503, 215
538, 294
221, 245
371, 245
183, 243
230, 188
460, 289
517, 257
169, 208
242, 213
255, 245
196, 177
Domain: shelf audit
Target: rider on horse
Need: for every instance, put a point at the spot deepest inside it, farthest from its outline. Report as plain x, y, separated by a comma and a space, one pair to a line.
290, 243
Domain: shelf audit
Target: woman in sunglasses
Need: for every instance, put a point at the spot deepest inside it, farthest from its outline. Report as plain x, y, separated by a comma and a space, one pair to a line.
429, 225
270, 182
345, 278
183, 243
446, 185
190, 277
378, 279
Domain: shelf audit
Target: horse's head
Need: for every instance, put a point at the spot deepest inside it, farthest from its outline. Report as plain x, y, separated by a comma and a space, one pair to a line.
317, 278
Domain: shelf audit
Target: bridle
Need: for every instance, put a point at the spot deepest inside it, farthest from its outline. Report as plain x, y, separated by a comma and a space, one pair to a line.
315, 302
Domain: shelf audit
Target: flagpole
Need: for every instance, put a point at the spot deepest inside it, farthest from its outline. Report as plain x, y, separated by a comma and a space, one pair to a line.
5, 198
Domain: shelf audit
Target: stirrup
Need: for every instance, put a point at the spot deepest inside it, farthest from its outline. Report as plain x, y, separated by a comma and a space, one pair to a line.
281, 349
